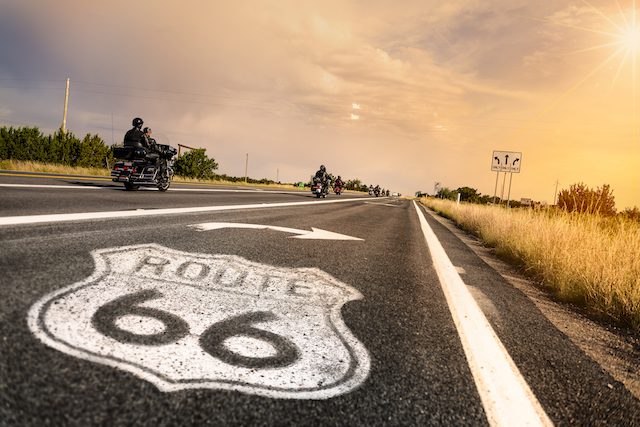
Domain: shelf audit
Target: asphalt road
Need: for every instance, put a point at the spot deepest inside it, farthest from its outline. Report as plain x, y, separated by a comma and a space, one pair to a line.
213, 306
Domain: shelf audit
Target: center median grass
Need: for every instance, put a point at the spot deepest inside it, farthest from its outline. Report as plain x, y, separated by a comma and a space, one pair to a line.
589, 260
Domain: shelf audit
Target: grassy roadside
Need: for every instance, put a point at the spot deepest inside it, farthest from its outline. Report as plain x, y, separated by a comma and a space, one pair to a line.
585, 259
28, 166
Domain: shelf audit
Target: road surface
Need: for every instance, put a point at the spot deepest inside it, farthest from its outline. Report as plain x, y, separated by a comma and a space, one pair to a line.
228, 306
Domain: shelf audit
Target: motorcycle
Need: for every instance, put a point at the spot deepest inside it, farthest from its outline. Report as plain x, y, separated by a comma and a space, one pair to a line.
138, 167
337, 189
318, 189
376, 191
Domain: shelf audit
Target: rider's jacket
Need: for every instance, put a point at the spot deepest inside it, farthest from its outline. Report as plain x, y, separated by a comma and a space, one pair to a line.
134, 138
338, 183
323, 176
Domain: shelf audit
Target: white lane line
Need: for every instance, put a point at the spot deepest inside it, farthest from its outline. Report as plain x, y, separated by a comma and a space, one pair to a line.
505, 395
383, 204
34, 219
90, 187
111, 187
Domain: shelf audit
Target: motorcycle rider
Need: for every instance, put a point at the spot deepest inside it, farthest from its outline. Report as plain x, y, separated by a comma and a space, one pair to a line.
338, 182
323, 176
135, 136
153, 153
371, 189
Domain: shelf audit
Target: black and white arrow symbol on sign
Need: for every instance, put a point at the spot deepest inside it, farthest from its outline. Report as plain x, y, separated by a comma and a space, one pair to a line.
506, 159
497, 159
515, 161
315, 233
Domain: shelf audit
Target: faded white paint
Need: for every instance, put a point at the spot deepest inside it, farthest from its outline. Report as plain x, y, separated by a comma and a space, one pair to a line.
204, 292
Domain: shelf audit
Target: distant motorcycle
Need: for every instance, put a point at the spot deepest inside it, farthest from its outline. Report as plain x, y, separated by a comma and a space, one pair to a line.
318, 189
138, 167
337, 189
376, 192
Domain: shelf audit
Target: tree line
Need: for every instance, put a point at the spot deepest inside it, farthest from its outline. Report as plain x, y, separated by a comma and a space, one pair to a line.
577, 198
30, 144
64, 148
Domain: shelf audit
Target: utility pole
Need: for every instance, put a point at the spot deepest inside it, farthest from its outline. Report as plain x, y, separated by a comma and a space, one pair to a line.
66, 104
277, 175
246, 168
555, 195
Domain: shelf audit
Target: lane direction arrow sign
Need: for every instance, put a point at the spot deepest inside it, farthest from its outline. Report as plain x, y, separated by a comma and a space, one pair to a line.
315, 233
512, 161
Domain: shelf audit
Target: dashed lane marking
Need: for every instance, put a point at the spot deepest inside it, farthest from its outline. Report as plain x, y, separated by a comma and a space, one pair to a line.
118, 187
505, 395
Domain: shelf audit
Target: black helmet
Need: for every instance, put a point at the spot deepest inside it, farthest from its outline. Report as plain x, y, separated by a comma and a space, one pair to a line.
146, 130
339, 177
137, 122
322, 168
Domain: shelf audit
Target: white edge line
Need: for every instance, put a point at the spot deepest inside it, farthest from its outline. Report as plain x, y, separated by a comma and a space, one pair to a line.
34, 219
505, 395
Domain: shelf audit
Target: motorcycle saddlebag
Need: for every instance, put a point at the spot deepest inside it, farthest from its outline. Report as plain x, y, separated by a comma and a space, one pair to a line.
129, 153
122, 152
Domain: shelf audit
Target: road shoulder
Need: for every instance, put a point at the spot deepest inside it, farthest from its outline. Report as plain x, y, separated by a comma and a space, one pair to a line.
612, 349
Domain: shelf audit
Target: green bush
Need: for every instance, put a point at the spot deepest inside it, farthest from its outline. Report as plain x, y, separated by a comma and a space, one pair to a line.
196, 164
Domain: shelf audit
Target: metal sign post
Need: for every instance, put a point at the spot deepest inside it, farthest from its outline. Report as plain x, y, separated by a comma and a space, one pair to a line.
509, 193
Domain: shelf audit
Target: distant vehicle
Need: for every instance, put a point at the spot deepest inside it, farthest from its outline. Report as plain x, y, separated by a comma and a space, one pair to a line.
318, 189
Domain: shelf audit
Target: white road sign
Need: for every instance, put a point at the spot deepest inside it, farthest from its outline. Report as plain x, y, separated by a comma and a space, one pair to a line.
506, 161
182, 320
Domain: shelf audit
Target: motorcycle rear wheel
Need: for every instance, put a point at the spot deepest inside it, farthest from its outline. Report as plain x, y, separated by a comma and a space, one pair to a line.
164, 185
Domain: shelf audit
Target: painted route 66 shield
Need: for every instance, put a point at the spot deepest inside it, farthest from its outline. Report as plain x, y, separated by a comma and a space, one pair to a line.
183, 320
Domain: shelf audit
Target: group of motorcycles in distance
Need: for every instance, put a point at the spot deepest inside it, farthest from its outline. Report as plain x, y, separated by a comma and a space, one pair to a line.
377, 191
321, 189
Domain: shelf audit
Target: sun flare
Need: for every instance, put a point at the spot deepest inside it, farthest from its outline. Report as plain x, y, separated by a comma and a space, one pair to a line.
630, 39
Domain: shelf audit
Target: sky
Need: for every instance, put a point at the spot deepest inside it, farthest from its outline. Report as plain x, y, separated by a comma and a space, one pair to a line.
402, 94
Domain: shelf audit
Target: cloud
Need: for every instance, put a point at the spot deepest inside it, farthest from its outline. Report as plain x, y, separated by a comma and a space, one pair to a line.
442, 83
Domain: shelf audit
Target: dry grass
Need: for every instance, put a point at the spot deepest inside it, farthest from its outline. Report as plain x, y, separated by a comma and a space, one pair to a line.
586, 259
26, 166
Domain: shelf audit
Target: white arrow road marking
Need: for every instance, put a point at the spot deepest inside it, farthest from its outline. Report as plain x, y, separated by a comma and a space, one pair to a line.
315, 233
35, 219
383, 204
505, 395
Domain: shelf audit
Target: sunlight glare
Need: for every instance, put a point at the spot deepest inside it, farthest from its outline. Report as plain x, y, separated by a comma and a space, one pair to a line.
631, 39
